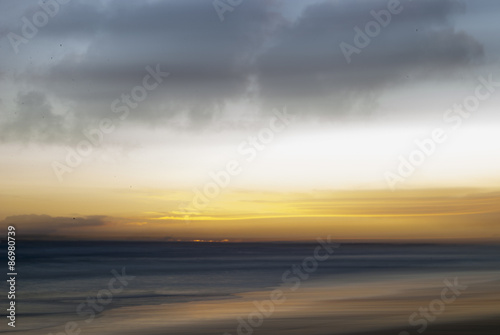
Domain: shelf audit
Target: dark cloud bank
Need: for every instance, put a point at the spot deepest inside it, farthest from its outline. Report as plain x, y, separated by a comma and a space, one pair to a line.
43, 225
257, 54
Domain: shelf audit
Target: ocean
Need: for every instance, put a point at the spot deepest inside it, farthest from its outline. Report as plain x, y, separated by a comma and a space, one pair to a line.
83, 287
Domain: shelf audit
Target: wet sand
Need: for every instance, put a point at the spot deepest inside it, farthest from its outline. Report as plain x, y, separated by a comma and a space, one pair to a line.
489, 326
375, 305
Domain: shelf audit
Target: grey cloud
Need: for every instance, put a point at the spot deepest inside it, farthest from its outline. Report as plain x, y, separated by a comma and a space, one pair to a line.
296, 63
420, 42
210, 62
43, 224
33, 119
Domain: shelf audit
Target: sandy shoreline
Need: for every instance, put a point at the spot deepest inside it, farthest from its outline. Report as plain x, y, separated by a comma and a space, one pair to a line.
377, 306
490, 326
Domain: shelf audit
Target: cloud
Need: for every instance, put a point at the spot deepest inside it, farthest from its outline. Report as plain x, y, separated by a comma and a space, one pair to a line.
209, 61
256, 56
45, 224
33, 119
307, 66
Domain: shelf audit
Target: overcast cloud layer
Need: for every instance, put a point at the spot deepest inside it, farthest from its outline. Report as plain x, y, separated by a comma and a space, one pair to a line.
264, 54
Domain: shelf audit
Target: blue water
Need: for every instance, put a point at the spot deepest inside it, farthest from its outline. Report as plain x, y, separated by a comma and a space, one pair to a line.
54, 277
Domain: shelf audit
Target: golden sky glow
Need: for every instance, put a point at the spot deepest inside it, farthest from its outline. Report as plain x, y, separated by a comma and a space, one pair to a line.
427, 214
298, 188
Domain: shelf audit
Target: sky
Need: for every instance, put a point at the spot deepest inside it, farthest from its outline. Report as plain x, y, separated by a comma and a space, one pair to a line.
250, 120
